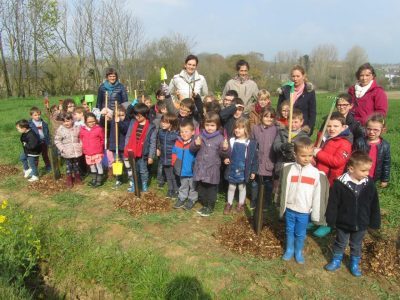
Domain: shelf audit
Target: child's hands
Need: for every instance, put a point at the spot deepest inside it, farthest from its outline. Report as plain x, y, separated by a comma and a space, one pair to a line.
384, 184
306, 128
227, 161
197, 141
252, 176
150, 161
316, 150
225, 145
158, 152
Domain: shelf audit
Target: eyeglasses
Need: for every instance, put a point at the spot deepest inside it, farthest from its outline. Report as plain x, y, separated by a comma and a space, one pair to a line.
373, 129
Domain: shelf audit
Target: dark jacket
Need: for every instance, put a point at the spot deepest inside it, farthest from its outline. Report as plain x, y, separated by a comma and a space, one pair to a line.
183, 158
348, 212
251, 163
31, 143
166, 141
45, 129
306, 103
119, 94
382, 169
227, 119
149, 146
122, 130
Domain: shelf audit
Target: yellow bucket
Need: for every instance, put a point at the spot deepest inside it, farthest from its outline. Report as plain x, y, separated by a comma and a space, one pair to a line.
117, 168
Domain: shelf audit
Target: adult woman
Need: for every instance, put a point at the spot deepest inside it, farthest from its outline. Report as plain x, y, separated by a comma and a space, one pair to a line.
246, 88
188, 81
304, 97
368, 97
116, 91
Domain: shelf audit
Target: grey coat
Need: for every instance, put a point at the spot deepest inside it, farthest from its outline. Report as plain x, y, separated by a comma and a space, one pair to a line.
265, 138
67, 141
208, 161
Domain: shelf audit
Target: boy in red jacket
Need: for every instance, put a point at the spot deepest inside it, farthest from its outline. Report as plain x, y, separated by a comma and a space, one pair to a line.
333, 155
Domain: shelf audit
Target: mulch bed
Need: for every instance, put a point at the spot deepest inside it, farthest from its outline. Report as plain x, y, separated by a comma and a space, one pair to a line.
239, 236
47, 185
7, 170
381, 256
148, 203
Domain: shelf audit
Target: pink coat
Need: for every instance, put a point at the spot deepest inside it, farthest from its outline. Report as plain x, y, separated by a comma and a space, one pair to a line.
92, 140
374, 100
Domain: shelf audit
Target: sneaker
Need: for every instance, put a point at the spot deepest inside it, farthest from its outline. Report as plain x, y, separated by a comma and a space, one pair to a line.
169, 194
179, 204
322, 231
27, 173
188, 205
175, 194
33, 178
117, 185
205, 212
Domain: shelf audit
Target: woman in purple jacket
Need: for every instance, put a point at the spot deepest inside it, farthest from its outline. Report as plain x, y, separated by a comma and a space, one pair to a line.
368, 97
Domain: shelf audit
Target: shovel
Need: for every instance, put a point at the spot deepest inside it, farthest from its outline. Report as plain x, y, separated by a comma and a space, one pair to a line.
117, 165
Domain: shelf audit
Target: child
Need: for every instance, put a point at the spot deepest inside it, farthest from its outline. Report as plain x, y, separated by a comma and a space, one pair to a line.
301, 188
332, 157
85, 105
377, 148
41, 129
230, 114
229, 96
183, 160
156, 111
79, 116
283, 114
211, 147
263, 100
68, 143
141, 140
92, 138
68, 105
147, 101
123, 124
264, 134
186, 110
353, 206
242, 164
167, 136
159, 110
32, 149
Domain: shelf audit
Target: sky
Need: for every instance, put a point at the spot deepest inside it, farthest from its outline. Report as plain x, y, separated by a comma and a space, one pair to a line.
267, 26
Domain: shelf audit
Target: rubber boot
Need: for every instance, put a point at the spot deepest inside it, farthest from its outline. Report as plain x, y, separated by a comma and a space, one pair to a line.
289, 247
77, 179
354, 265
322, 231
92, 182
69, 181
335, 262
131, 189
99, 180
298, 249
145, 188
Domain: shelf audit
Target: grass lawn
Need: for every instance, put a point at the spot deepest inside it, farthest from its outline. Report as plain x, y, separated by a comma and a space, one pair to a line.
92, 250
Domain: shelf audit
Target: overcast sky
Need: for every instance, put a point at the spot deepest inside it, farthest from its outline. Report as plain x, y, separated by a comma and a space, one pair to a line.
268, 26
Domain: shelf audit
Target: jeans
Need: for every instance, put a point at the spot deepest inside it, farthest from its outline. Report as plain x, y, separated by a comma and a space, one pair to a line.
267, 181
342, 239
141, 167
296, 223
30, 162
160, 173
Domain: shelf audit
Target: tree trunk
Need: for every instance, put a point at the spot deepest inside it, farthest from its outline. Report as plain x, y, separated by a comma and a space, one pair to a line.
5, 71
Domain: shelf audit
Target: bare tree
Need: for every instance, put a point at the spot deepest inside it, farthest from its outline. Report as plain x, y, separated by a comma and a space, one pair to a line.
323, 61
355, 57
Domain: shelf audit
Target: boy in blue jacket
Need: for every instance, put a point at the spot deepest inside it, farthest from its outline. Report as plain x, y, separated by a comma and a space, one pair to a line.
41, 129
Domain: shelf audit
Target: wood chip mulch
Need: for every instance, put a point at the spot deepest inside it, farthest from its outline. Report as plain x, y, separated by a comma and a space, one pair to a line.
7, 170
47, 185
148, 203
239, 236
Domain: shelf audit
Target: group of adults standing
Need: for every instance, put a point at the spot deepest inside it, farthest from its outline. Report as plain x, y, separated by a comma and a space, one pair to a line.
367, 96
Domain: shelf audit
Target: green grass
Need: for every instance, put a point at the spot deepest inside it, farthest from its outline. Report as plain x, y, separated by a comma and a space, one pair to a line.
69, 198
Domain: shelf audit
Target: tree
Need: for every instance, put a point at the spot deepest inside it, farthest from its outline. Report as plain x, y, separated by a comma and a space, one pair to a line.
323, 60
355, 57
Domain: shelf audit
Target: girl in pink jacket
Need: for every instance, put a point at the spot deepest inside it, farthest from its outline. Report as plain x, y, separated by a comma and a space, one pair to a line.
92, 138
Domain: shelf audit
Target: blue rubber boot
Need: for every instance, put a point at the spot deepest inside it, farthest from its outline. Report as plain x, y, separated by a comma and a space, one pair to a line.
322, 231
145, 188
335, 262
298, 249
354, 265
131, 189
289, 247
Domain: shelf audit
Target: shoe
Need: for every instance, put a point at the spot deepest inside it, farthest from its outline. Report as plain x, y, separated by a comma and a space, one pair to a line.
310, 226
27, 173
354, 265
227, 209
92, 182
77, 179
288, 255
179, 203
117, 184
169, 194
205, 212
48, 169
160, 185
322, 231
298, 250
145, 187
33, 178
99, 181
131, 188
335, 263
239, 208
69, 182
188, 205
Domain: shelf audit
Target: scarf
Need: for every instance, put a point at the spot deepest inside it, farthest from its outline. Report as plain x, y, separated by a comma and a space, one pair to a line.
241, 79
207, 135
258, 108
110, 87
361, 90
134, 145
298, 91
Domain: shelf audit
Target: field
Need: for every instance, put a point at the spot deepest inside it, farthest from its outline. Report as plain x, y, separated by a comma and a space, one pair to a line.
91, 248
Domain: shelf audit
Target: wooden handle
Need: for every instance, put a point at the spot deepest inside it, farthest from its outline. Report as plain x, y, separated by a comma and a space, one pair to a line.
105, 125
290, 116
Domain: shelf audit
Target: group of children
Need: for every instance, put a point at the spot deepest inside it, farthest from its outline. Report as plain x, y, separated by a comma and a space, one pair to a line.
202, 146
